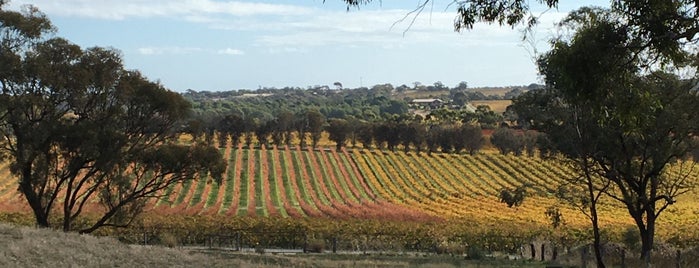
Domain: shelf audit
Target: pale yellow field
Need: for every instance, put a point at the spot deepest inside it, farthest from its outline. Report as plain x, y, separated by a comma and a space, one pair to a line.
498, 106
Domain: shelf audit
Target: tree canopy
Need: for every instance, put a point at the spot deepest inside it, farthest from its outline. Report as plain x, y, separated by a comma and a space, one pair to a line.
614, 103
76, 127
621, 122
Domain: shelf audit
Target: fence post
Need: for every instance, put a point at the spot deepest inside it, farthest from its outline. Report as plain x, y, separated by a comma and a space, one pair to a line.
679, 259
305, 243
237, 241
145, 238
334, 244
533, 249
543, 252
623, 258
583, 256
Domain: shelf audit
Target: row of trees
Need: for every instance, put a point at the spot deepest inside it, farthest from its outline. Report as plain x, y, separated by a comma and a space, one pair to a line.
412, 133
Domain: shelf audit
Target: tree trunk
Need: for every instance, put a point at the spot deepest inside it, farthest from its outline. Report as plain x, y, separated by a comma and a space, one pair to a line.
596, 244
647, 237
42, 219
302, 139
34, 200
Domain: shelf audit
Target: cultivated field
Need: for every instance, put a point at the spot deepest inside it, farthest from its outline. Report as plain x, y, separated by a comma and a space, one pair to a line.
362, 184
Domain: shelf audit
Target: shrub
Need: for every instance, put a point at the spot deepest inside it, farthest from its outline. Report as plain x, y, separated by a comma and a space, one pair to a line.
631, 238
168, 240
315, 246
475, 253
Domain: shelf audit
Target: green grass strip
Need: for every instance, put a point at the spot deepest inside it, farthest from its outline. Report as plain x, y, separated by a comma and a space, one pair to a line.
244, 184
525, 172
201, 185
325, 176
437, 174
260, 202
299, 179
366, 175
491, 184
290, 195
213, 194
507, 179
314, 178
382, 181
353, 176
183, 192
229, 182
335, 168
458, 178
274, 190
405, 186
162, 201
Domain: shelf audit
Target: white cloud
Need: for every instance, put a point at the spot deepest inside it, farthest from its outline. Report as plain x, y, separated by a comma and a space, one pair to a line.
279, 27
377, 27
167, 50
231, 51
119, 10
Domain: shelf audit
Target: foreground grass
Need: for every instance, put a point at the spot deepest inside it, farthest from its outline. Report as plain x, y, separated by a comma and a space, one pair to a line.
31, 247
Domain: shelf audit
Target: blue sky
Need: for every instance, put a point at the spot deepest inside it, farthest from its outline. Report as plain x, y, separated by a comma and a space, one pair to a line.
224, 45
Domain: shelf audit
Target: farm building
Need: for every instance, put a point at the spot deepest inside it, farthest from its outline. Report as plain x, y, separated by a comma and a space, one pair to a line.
427, 103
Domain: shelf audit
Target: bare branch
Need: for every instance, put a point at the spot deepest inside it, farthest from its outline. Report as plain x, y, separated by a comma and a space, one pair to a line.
415, 13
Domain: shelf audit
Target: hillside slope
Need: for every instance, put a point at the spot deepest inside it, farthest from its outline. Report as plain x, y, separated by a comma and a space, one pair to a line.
396, 186
29, 247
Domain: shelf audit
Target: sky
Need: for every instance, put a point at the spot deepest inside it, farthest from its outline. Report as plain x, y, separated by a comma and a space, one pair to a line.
219, 45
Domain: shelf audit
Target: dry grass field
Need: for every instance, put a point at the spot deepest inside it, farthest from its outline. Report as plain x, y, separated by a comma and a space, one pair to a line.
497, 106
30, 247
492, 91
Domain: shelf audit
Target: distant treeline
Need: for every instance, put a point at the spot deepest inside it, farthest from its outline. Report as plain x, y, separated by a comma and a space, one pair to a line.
379, 117
379, 101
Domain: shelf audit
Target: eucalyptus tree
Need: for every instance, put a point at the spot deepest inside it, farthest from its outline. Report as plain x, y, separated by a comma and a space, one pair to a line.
77, 127
339, 131
315, 122
471, 136
664, 25
365, 133
621, 122
614, 108
232, 126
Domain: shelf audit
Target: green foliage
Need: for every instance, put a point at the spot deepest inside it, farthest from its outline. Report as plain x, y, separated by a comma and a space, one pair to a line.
507, 141
78, 127
487, 118
630, 238
613, 113
555, 216
513, 197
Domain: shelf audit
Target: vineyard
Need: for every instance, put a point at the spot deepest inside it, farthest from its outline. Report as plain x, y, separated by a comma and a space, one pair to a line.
363, 184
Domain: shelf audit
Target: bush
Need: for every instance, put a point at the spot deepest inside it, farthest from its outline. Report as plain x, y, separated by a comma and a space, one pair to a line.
259, 249
168, 240
631, 238
315, 246
475, 253
513, 197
